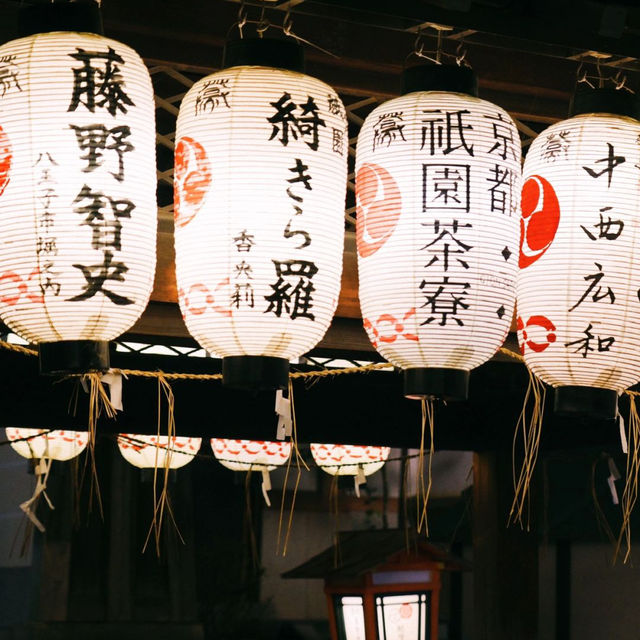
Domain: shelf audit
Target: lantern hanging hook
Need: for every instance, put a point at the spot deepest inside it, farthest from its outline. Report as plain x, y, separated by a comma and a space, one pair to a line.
287, 29
461, 54
242, 18
583, 77
620, 81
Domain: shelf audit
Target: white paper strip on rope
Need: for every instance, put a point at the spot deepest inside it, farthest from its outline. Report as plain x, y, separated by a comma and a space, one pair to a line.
148, 452
77, 187
437, 187
58, 444
260, 178
250, 455
579, 281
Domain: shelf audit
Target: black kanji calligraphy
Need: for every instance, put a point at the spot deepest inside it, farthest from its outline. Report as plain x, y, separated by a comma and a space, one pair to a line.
596, 295
8, 75
611, 161
556, 144
337, 141
446, 245
97, 275
608, 229
503, 136
336, 107
501, 190
244, 241
292, 121
591, 343
445, 187
100, 86
301, 175
212, 94
388, 129
95, 139
243, 295
292, 233
294, 300
243, 269
445, 132
446, 299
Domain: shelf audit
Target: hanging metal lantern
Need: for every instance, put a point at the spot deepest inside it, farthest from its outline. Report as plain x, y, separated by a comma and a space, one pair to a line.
260, 177
77, 186
148, 452
41, 443
437, 191
252, 455
350, 460
578, 287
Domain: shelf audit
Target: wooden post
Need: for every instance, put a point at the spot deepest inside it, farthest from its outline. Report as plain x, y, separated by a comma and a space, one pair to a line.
505, 559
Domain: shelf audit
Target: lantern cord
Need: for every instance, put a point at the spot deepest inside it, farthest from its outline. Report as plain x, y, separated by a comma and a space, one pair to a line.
630, 493
422, 491
162, 502
531, 428
334, 507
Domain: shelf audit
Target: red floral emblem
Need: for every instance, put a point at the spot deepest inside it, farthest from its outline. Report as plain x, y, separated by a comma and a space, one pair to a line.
191, 180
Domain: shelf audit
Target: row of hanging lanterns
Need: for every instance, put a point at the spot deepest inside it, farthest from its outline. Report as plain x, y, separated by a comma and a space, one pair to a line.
260, 177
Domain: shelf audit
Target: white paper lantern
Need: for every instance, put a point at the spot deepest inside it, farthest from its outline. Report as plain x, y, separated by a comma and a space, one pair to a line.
77, 192
252, 455
148, 452
260, 176
348, 459
58, 444
437, 188
579, 283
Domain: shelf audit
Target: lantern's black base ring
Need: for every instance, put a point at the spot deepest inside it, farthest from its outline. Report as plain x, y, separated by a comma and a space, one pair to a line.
431, 382
593, 402
440, 77
605, 100
82, 16
73, 356
264, 52
255, 373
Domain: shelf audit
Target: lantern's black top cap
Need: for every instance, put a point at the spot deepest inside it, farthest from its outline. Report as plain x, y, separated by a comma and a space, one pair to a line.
264, 52
440, 77
82, 16
606, 100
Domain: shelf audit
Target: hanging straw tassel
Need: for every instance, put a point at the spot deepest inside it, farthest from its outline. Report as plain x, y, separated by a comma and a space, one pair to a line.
299, 463
531, 427
630, 494
161, 502
99, 402
29, 506
422, 491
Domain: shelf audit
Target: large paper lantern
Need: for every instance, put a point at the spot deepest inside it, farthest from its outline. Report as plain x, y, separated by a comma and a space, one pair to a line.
252, 455
77, 186
260, 176
349, 460
148, 452
41, 443
579, 283
437, 190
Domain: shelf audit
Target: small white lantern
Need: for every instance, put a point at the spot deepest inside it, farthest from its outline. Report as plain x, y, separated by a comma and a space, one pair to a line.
579, 283
77, 186
252, 455
58, 444
349, 460
437, 192
149, 452
260, 177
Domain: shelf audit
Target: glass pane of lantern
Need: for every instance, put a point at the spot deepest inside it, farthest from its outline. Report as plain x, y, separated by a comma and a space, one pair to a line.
402, 617
351, 612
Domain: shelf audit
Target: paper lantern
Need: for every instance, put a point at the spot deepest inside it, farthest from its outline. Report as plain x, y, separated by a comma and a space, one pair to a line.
77, 187
148, 452
437, 191
349, 460
578, 286
260, 176
55, 445
252, 455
